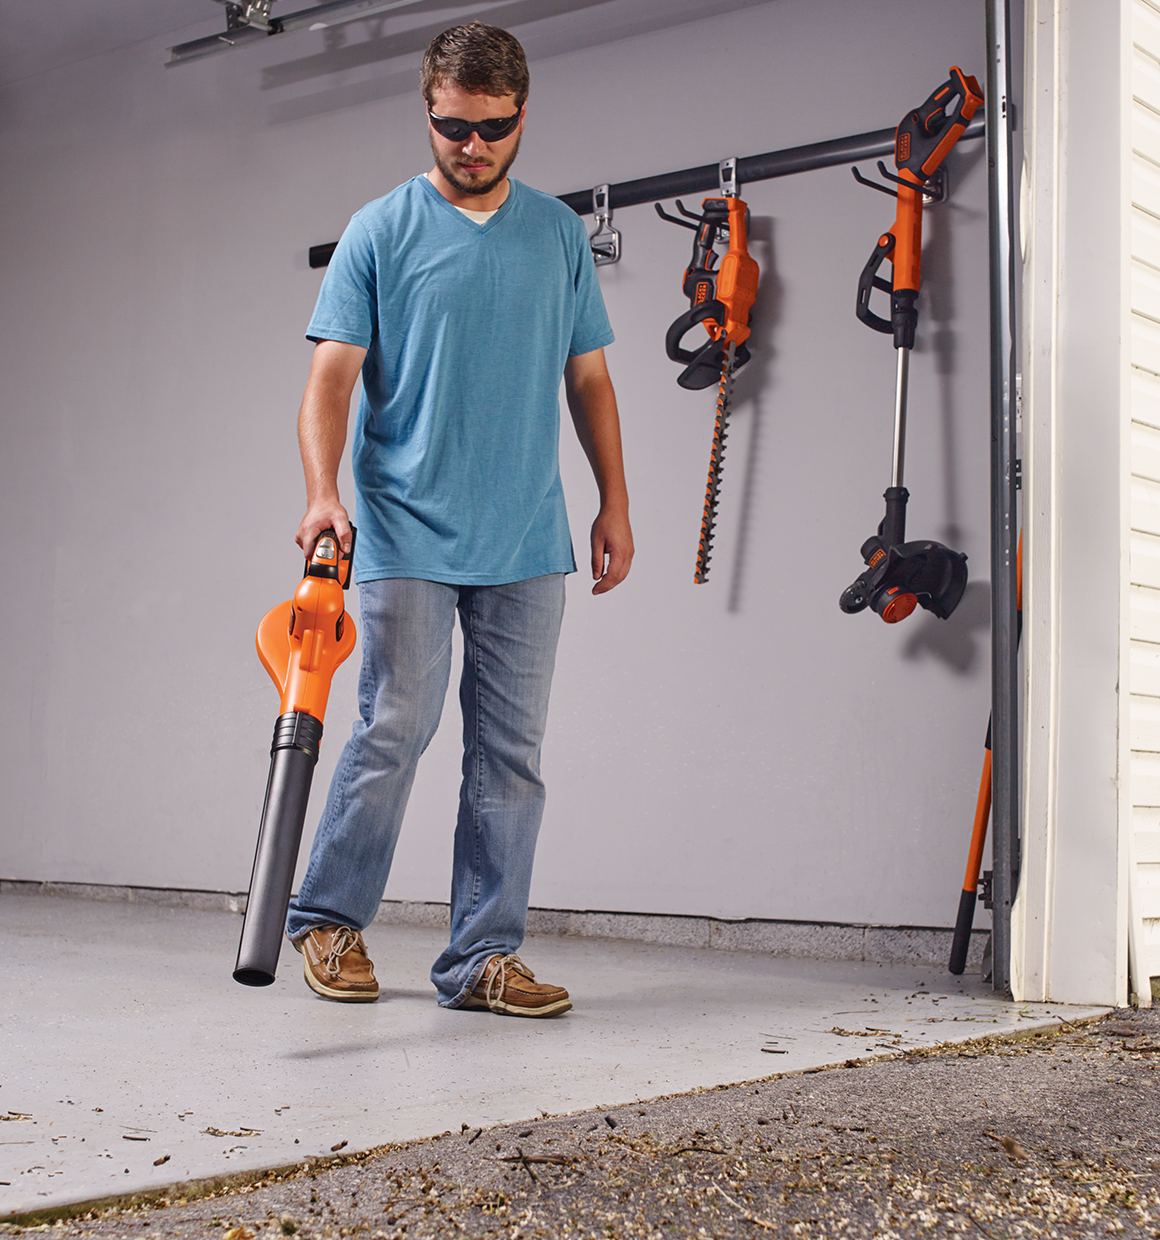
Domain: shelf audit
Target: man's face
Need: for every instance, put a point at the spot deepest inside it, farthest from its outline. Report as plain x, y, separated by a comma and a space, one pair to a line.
473, 167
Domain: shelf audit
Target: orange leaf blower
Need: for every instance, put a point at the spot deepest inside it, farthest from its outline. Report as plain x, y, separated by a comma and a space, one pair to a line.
902, 575
300, 642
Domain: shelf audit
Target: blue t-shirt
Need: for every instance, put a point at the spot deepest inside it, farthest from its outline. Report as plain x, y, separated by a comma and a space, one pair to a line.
467, 329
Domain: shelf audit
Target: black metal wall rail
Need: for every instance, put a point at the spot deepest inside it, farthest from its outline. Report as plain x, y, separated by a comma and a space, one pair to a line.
706, 178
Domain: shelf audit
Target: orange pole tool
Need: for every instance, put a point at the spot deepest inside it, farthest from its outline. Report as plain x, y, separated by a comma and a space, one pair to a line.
961, 942
901, 575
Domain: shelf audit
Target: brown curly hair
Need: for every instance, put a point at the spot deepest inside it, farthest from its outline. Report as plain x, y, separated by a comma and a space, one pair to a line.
480, 59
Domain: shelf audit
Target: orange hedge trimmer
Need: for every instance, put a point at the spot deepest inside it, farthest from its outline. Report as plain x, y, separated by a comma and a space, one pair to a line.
901, 575
300, 642
721, 299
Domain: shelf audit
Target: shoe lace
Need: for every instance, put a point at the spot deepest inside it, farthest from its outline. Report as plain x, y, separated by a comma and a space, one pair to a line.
345, 940
497, 978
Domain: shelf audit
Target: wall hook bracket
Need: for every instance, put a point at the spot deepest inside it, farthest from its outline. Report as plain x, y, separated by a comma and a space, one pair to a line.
604, 239
934, 190
727, 175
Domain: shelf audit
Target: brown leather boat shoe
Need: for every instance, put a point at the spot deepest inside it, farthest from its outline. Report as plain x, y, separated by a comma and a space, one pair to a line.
509, 987
336, 964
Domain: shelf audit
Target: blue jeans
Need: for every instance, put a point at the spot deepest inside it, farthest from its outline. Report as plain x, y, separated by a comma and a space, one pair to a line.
509, 652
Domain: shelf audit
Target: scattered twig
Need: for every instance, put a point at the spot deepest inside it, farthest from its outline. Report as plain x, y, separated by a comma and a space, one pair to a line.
526, 1164
475, 1136
406, 1203
750, 1217
977, 1223
555, 1160
159, 1162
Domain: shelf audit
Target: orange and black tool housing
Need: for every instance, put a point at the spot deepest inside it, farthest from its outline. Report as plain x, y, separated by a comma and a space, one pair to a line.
301, 643
901, 576
922, 141
719, 297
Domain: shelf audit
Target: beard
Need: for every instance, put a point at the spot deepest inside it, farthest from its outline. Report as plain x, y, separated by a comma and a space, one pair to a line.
473, 183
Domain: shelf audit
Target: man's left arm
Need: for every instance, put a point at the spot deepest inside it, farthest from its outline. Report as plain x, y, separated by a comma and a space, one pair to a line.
592, 403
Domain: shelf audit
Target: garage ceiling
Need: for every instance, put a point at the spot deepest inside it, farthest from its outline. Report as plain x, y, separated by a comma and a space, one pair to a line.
42, 37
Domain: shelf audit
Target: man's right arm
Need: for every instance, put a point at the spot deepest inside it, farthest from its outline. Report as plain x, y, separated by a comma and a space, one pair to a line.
322, 422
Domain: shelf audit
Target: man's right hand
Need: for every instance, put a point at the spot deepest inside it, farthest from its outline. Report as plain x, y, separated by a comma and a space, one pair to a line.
324, 516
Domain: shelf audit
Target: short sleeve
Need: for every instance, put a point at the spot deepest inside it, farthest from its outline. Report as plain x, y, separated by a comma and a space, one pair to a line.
590, 328
347, 306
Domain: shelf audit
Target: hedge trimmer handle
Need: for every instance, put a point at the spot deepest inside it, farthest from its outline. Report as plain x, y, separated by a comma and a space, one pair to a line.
711, 309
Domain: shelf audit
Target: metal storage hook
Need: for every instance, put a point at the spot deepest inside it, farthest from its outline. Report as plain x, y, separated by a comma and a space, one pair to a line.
604, 239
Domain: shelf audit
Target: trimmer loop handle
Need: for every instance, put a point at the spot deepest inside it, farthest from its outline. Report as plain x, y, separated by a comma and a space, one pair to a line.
870, 280
702, 366
710, 309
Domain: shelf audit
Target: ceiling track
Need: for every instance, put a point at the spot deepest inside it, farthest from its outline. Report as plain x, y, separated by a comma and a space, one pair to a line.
319, 17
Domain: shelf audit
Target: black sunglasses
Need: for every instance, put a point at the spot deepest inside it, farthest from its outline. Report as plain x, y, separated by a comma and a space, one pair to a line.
456, 130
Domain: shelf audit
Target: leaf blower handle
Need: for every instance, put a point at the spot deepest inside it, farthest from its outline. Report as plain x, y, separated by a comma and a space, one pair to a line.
329, 560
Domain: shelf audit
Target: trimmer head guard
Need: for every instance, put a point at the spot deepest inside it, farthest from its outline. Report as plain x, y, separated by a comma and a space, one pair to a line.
901, 577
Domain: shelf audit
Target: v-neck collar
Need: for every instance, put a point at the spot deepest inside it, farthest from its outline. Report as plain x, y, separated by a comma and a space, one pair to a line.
486, 226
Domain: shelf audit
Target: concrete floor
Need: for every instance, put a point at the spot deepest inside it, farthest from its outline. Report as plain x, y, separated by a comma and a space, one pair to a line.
130, 1060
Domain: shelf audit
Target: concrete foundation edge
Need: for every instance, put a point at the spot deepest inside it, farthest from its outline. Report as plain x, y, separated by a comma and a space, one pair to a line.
801, 939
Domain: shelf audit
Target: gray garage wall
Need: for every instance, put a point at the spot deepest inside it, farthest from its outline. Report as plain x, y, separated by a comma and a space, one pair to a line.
740, 749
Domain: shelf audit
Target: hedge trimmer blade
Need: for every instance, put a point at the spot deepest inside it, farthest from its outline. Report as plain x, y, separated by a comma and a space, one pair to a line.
716, 459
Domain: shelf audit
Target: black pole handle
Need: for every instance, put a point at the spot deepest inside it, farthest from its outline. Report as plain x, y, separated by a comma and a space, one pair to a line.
961, 942
870, 280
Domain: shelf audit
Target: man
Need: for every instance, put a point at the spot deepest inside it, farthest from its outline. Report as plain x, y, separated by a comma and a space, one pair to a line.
461, 297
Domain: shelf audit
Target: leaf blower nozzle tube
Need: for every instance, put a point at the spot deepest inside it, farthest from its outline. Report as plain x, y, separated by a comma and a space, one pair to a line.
293, 755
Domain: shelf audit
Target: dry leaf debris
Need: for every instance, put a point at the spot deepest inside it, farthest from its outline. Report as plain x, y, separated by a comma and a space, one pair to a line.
1044, 1137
